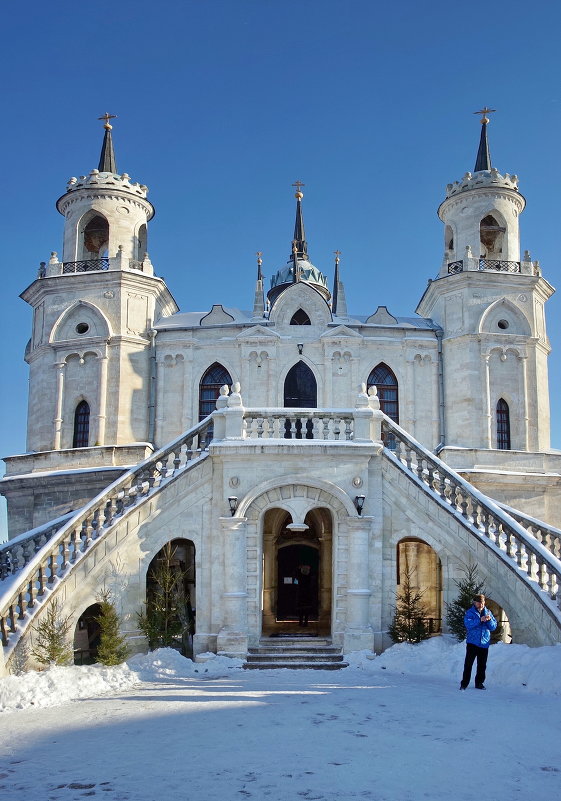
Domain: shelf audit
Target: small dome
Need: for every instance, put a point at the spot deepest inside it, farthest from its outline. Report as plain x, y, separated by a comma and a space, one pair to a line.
309, 274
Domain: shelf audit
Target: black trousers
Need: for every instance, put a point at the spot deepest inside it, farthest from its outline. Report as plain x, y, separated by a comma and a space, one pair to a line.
474, 652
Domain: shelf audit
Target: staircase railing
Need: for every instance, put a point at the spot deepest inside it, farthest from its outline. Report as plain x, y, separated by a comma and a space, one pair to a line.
481, 514
28, 588
549, 536
19, 551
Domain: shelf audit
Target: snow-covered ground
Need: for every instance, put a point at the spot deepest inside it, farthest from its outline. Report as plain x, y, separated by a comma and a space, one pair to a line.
392, 728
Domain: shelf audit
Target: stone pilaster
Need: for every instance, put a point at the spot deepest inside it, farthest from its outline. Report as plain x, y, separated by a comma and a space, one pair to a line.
358, 631
233, 636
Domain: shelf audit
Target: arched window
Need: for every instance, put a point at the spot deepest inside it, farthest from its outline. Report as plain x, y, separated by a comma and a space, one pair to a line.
386, 384
491, 235
503, 425
209, 388
141, 244
96, 238
300, 318
81, 425
300, 387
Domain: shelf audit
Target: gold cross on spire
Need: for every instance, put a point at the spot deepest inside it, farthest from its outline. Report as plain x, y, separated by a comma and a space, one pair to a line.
259, 259
108, 117
298, 194
337, 254
484, 111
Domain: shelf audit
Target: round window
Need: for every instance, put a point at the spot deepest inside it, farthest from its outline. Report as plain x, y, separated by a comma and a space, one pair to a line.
503, 324
82, 328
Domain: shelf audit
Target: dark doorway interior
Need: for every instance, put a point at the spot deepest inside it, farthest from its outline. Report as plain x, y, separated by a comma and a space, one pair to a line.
292, 596
87, 636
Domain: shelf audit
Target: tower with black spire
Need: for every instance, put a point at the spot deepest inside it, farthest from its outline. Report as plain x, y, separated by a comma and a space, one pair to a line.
490, 305
298, 267
91, 354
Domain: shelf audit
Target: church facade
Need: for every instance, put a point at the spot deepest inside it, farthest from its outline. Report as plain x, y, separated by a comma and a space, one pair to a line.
315, 411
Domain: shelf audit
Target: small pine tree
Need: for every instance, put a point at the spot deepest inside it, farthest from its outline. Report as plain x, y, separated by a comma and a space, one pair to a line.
112, 649
468, 586
50, 637
162, 622
410, 616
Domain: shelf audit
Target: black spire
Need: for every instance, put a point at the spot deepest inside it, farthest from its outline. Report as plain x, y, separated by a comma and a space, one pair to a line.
299, 239
335, 293
483, 160
107, 162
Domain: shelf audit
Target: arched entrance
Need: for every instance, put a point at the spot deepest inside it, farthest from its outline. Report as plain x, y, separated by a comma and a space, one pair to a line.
87, 636
169, 617
297, 574
418, 563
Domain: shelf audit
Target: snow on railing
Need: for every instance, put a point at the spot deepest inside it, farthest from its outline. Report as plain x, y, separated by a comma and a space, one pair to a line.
549, 536
75, 537
19, 551
513, 542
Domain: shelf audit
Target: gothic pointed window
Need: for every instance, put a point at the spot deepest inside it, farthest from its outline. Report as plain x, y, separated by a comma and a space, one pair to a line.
503, 425
81, 436
300, 318
300, 387
209, 388
491, 235
386, 384
96, 238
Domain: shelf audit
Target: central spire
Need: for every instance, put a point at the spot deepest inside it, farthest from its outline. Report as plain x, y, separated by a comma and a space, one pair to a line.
107, 161
483, 160
299, 244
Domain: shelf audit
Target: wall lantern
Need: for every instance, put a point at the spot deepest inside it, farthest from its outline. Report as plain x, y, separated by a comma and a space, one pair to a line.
359, 503
233, 504
300, 348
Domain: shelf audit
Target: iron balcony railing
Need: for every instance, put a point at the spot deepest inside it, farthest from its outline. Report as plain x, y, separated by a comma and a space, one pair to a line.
495, 265
85, 265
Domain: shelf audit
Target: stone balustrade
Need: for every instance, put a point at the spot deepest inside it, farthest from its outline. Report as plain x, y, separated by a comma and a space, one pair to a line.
548, 536
18, 552
479, 512
299, 424
53, 561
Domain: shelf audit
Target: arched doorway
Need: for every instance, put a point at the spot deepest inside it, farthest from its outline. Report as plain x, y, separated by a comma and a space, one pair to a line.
419, 564
169, 617
297, 574
300, 387
87, 636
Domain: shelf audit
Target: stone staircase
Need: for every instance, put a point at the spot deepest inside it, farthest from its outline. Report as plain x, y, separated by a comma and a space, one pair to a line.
295, 653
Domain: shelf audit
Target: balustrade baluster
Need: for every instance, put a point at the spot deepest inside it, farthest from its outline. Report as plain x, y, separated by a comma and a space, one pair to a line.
260, 425
86, 534
51, 566
326, 427
108, 513
531, 565
4, 564
176, 460
336, 428
75, 543
464, 503
27, 551
12, 614
272, 422
64, 553
21, 604
31, 594
3, 630
420, 467
42, 580
430, 477
543, 577
119, 505
408, 457
553, 585
348, 428
164, 467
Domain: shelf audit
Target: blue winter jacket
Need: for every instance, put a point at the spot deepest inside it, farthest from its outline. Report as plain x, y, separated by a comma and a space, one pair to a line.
479, 633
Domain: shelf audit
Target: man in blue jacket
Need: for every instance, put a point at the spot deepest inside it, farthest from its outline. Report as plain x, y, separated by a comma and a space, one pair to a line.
479, 623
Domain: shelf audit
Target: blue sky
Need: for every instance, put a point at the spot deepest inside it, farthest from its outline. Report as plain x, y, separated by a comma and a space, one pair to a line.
223, 104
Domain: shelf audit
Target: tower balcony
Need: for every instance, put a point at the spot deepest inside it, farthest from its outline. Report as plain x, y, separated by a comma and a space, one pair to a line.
119, 262
493, 265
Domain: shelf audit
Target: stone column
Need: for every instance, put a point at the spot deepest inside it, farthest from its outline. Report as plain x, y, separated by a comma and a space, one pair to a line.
160, 412
358, 631
102, 402
58, 405
487, 401
525, 399
233, 636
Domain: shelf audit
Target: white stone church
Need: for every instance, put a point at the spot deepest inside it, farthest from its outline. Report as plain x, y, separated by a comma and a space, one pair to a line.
291, 435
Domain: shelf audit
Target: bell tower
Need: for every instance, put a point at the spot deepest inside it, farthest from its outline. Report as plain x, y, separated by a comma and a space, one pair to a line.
91, 354
490, 305
105, 214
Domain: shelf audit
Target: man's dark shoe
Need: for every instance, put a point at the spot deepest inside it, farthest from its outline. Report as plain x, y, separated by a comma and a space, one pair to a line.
479, 686
462, 687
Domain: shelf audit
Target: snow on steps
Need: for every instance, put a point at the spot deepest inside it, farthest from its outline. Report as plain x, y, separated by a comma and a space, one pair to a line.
295, 654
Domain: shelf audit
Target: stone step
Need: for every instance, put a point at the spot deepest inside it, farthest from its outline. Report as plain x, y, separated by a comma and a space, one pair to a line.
293, 649
301, 657
294, 665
